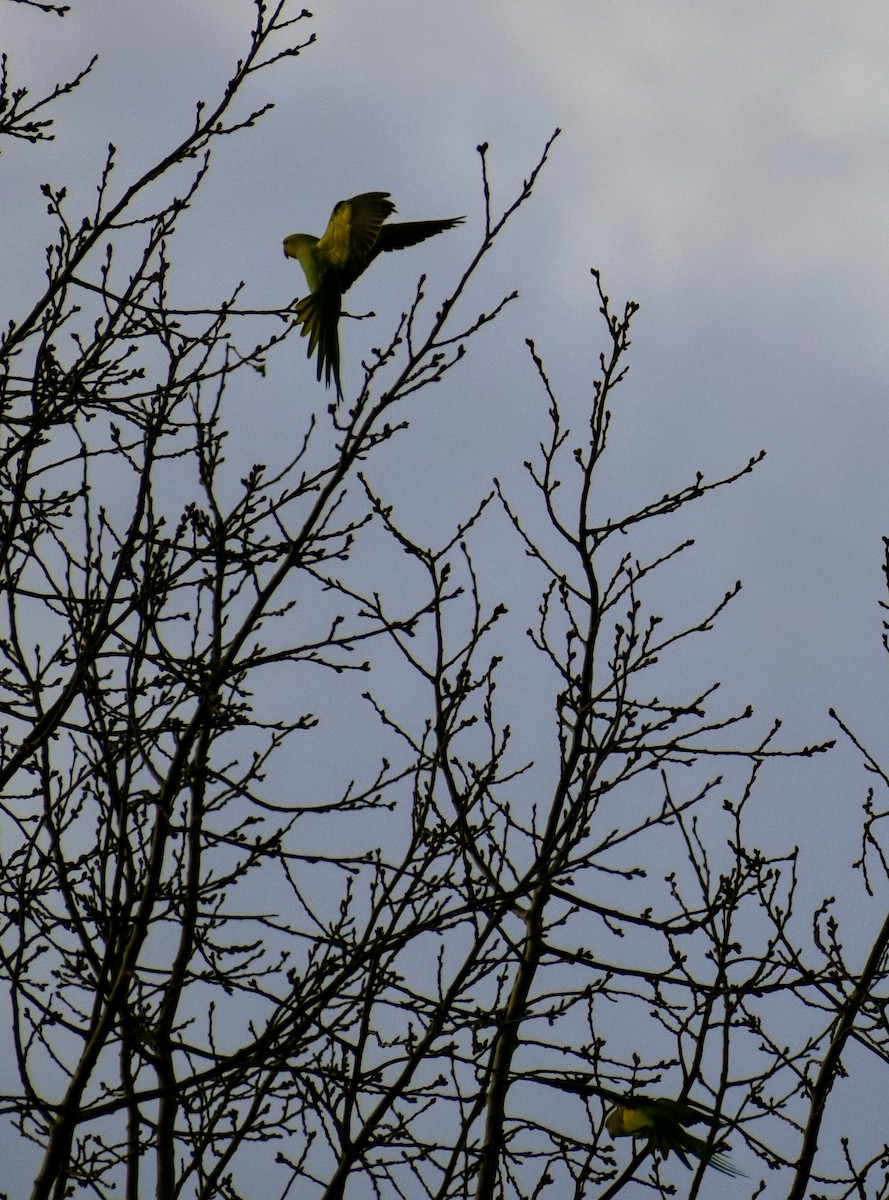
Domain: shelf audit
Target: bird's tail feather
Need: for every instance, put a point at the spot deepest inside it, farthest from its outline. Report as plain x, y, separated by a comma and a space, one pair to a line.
319, 314
685, 1143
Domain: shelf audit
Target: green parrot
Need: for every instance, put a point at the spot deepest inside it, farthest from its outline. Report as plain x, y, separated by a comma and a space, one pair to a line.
663, 1123
660, 1120
354, 236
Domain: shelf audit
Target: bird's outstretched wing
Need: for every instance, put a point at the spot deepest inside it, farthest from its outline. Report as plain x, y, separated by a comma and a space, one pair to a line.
408, 233
347, 244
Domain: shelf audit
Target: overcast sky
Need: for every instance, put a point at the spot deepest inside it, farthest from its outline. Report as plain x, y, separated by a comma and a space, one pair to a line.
726, 165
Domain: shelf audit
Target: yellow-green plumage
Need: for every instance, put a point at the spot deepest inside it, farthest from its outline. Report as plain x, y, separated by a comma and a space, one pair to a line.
663, 1123
355, 235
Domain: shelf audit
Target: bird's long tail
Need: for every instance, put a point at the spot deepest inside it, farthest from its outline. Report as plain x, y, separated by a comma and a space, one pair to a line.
319, 314
685, 1143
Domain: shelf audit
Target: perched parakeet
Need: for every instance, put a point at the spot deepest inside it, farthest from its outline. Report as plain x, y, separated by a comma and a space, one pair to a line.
354, 236
663, 1123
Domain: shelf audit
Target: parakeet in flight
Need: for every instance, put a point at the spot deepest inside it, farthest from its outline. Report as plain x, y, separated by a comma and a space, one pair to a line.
355, 235
662, 1121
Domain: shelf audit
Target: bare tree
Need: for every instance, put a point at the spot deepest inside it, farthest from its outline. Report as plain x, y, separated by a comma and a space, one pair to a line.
222, 968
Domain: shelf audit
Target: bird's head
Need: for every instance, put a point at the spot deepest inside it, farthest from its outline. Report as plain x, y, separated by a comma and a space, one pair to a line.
301, 246
296, 243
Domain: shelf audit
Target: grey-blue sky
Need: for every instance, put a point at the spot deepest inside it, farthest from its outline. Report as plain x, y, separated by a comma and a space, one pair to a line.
726, 165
